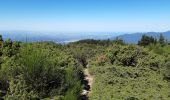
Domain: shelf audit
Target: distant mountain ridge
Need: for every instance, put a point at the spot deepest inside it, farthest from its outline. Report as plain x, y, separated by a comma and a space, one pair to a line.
32, 36
135, 37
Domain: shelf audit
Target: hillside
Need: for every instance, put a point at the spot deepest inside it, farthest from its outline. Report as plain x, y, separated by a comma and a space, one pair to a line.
84, 70
58, 37
135, 37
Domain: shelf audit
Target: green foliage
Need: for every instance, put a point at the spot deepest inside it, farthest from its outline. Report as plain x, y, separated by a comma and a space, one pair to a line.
162, 40
133, 73
146, 40
73, 85
37, 71
158, 49
167, 68
40, 73
128, 55
18, 90
112, 53
45, 70
1, 39
118, 41
100, 42
7, 48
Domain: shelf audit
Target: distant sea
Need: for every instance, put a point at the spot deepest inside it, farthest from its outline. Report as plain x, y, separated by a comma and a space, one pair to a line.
67, 37
58, 37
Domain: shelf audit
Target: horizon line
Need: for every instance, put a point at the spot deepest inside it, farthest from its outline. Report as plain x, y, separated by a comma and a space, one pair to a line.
81, 31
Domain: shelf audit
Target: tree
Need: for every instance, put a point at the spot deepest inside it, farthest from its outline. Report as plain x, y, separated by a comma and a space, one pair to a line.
118, 41
162, 40
1, 41
146, 40
8, 43
143, 41
7, 47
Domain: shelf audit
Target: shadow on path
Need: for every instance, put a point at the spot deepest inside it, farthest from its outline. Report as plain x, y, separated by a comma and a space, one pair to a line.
87, 82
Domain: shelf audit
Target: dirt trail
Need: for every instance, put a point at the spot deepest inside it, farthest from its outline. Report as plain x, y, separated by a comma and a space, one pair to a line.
88, 78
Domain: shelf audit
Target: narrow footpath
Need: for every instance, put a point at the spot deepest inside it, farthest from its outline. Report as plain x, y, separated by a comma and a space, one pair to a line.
88, 81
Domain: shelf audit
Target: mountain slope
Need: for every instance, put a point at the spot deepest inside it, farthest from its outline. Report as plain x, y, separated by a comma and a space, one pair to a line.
134, 38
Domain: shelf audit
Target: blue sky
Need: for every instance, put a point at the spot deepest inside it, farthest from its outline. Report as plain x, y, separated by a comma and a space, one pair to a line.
85, 15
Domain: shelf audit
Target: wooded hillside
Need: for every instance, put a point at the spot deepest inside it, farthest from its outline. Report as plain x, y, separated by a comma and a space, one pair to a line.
46, 70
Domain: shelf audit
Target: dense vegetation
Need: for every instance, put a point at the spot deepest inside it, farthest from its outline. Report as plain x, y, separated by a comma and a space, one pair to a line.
146, 40
126, 72
45, 70
38, 71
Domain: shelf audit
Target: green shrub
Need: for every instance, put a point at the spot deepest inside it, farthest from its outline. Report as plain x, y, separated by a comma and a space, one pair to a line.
18, 90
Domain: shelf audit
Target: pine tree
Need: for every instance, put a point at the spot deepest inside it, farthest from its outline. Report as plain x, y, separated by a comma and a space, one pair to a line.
162, 40
1, 41
146, 40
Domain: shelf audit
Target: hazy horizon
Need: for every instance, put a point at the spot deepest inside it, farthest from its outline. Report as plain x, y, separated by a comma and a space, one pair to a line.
119, 32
